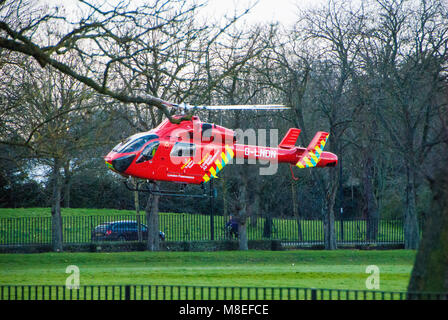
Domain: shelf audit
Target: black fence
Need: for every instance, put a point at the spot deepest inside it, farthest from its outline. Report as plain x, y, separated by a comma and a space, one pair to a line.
196, 227
174, 292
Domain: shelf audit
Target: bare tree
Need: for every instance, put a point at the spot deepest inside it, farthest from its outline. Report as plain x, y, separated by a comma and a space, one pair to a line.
429, 273
312, 67
133, 56
104, 38
404, 58
46, 112
241, 86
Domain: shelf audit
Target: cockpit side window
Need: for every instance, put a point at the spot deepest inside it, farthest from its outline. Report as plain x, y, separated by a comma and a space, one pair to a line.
182, 149
148, 152
134, 144
207, 133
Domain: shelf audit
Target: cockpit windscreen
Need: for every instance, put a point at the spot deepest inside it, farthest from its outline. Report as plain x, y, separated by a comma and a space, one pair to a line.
134, 143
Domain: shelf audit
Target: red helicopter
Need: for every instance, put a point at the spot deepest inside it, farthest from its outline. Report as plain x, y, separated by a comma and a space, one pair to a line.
194, 152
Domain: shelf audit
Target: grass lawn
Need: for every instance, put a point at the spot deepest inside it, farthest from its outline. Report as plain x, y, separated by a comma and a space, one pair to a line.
66, 212
342, 269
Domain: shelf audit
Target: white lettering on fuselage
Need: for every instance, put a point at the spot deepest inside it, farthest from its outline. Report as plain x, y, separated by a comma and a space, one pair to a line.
260, 153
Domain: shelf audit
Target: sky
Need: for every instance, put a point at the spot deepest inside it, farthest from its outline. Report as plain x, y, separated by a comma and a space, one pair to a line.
284, 11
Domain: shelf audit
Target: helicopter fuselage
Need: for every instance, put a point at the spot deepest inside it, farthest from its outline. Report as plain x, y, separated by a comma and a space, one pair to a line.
194, 152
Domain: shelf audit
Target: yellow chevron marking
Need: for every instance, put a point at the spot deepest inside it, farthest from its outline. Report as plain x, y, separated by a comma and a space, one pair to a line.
205, 157
316, 159
308, 162
206, 178
186, 163
224, 157
218, 164
213, 172
230, 151
314, 155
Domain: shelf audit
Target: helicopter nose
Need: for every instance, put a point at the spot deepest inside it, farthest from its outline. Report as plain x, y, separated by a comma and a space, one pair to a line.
121, 164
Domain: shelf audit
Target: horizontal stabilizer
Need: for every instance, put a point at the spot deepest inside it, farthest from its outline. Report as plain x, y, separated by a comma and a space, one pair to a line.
310, 158
290, 139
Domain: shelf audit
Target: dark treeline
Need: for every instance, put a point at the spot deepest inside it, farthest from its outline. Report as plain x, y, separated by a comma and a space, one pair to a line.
372, 73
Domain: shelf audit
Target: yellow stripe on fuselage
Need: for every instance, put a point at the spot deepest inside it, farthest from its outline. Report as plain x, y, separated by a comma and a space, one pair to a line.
186, 163
230, 151
224, 157
316, 159
308, 162
300, 165
218, 164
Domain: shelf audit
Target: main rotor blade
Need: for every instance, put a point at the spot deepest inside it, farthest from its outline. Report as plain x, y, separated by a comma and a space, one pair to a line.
235, 107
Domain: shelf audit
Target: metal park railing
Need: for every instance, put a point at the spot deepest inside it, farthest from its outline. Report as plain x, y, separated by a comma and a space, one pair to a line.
180, 292
197, 227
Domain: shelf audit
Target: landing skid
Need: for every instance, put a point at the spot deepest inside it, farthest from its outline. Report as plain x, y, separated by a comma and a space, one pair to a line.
154, 189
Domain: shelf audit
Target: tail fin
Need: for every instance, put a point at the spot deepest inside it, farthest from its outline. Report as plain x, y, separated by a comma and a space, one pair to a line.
311, 156
290, 139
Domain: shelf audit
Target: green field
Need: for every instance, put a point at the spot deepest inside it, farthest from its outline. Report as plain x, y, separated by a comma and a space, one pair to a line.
66, 212
342, 269
34, 226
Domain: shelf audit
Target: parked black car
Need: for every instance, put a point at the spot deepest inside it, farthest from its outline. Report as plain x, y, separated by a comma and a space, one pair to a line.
121, 231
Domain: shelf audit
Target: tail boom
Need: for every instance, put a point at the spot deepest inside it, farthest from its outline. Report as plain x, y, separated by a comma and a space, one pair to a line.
312, 156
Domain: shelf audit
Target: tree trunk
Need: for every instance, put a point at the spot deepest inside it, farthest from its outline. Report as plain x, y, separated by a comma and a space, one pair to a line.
267, 227
411, 236
152, 218
295, 210
255, 210
328, 213
137, 211
430, 272
67, 184
242, 233
56, 219
370, 206
241, 213
224, 198
329, 229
